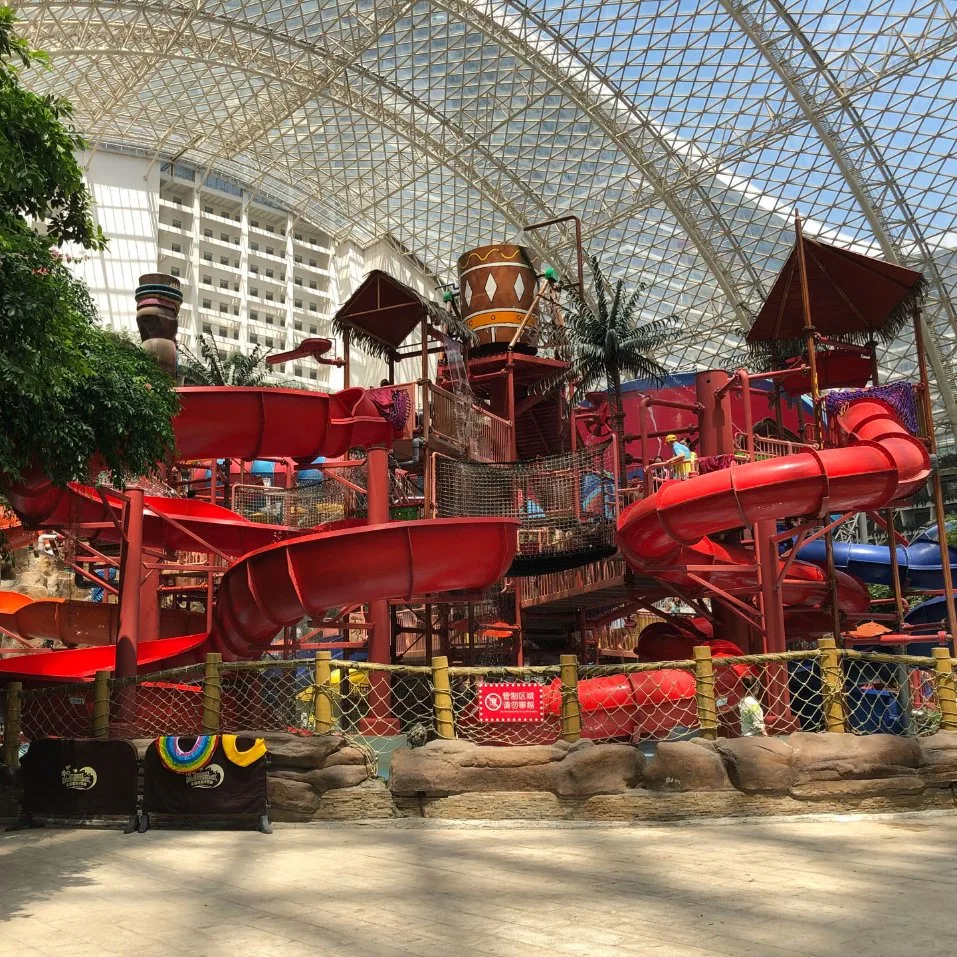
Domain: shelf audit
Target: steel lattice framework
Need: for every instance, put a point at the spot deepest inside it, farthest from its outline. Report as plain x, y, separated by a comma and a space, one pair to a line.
683, 132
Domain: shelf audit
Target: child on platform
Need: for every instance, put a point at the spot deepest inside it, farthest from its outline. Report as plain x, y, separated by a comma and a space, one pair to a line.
749, 708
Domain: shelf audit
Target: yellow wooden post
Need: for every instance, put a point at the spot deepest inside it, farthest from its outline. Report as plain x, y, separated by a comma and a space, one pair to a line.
946, 688
571, 710
323, 711
442, 698
11, 727
101, 704
832, 685
704, 692
212, 693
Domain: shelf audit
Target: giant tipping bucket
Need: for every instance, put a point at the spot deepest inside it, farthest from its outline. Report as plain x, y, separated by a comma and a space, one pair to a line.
496, 290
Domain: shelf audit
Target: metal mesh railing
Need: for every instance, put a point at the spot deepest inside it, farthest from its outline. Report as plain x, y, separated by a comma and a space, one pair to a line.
565, 504
303, 507
385, 706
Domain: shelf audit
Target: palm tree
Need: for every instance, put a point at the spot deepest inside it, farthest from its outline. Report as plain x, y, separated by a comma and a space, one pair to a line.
609, 341
213, 369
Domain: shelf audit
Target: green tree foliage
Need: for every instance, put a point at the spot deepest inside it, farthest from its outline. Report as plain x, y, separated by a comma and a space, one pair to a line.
236, 368
609, 341
68, 388
210, 368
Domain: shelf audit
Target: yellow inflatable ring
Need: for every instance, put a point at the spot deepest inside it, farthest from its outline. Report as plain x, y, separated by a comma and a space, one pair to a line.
242, 758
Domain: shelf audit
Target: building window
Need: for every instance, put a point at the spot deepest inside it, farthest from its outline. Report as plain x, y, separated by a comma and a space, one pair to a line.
207, 329
298, 282
254, 247
222, 331
254, 222
269, 296
224, 307
312, 262
208, 233
176, 247
313, 330
254, 270
253, 314
312, 374
207, 209
207, 280
174, 270
236, 333
177, 224
269, 229
297, 303
314, 241
225, 237
312, 307
312, 284
253, 339
253, 291
224, 260
299, 236
270, 251
208, 257
269, 321
297, 370
269, 273
298, 259
297, 325
223, 283
207, 303
269, 341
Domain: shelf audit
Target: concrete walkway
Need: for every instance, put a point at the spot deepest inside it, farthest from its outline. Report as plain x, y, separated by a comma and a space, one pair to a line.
857, 887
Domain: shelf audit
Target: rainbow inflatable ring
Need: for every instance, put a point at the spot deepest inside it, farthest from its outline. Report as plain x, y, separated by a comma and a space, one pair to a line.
187, 761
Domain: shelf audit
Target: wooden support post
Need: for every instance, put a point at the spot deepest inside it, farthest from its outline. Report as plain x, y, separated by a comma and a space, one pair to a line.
832, 685
323, 710
11, 727
442, 698
101, 704
704, 692
571, 710
946, 688
212, 693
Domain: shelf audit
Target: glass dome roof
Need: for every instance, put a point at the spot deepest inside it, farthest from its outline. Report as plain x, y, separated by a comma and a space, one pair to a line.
684, 134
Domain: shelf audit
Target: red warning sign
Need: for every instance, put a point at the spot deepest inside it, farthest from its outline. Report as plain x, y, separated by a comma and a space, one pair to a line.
510, 702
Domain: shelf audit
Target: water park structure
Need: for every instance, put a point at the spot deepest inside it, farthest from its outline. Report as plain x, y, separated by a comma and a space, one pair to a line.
469, 510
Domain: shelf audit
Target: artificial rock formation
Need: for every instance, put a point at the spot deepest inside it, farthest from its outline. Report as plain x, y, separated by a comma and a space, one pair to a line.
444, 768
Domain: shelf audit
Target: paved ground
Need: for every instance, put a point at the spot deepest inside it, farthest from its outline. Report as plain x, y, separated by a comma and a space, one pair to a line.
855, 887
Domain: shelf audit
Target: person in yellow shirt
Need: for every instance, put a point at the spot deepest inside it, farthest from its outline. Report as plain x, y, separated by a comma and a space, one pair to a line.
682, 469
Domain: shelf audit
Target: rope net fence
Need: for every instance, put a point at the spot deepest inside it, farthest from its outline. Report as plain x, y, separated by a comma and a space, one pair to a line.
565, 504
381, 707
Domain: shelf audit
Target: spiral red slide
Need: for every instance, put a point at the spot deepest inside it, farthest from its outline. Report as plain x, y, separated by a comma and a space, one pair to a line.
880, 463
282, 574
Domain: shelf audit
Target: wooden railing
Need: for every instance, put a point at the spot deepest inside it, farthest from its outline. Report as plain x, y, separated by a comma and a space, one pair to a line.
540, 589
467, 428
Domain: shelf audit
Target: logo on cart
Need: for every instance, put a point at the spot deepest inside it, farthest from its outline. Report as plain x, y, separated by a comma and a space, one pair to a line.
209, 777
78, 779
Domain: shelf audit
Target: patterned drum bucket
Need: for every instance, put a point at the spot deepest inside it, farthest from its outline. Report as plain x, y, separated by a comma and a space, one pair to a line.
496, 288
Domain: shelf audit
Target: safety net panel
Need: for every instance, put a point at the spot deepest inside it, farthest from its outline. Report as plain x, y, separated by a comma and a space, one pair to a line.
565, 505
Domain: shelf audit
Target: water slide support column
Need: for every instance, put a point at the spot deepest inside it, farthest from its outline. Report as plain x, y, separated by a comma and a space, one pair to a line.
809, 333
716, 437
131, 571
937, 489
379, 720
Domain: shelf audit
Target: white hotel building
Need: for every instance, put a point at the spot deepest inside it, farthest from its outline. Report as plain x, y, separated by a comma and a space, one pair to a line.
253, 273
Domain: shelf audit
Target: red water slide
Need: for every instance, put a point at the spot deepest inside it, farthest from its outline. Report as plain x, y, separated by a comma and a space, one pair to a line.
880, 463
283, 573
668, 531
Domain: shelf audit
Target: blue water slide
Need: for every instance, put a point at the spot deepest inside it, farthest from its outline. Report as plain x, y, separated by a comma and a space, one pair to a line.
918, 563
